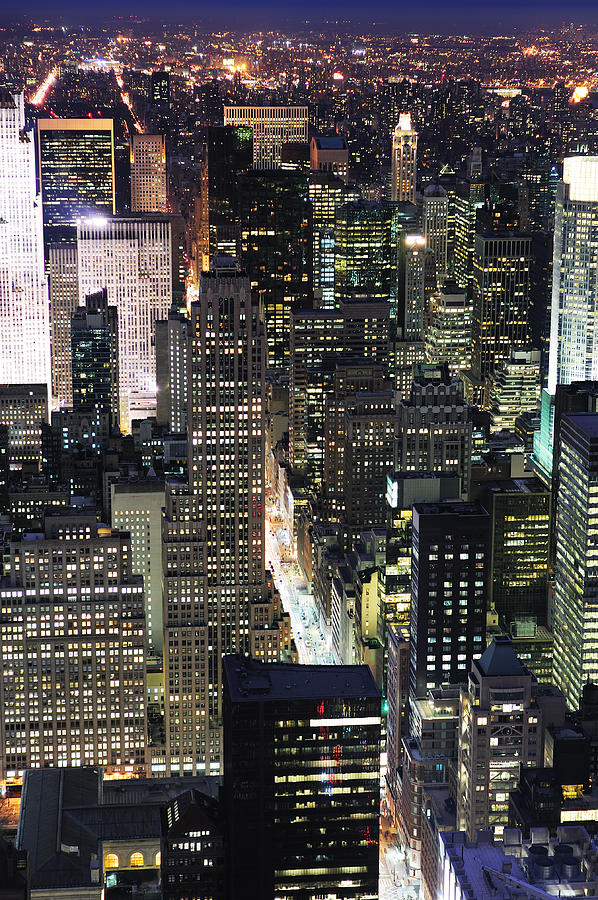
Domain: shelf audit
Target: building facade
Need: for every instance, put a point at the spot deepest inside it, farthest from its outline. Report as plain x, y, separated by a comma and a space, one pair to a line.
404, 161
148, 173
24, 320
272, 126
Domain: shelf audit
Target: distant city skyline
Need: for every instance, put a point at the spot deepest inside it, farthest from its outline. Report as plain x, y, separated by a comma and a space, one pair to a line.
435, 18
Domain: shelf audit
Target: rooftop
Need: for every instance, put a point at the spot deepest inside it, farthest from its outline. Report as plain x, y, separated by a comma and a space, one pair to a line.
249, 681
499, 658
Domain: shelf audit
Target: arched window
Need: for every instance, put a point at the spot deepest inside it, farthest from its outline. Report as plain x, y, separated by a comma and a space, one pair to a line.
157, 858
111, 861
137, 859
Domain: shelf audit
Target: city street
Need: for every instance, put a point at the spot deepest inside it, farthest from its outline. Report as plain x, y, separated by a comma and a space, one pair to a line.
313, 644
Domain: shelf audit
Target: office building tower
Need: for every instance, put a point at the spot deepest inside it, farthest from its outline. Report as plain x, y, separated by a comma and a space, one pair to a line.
132, 259
501, 732
330, 154
359, 428
301, 738
434, 431
171, 370
520, 514
276, 247
428, 754
404, 161
573, 352
272, 126
318, 339
513, 388
64, 299
217, 598
366, 235
326, 194
94, 354
411, 301
76, 172
148, 173
448, 336
160, 87
227, 153
23, 409
573, 341
501, 301
136, 507
24, 322
575, 654
72, 648
466, 200
435, 217
449, 592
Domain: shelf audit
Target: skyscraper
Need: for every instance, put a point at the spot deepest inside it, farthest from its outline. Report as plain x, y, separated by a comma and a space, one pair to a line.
24, 322
366, 235
575, 651
513, 388
94, 353
76, 171
301, 780
217, 597
148, 173
132, 259
276, 247
573, 335
171, 370
404, 160
64, 299
272, 127
501, 301
501, 732
449, 591
72, 651
435, 226
330, 154
448, 337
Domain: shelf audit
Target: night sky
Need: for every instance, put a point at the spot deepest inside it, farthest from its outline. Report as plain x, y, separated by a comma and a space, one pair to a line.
490, 16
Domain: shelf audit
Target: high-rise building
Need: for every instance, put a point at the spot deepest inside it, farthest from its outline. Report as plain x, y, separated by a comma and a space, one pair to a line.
319, 338
217, 597
404, 160
575, 653
136, 507
501, 301
573, 338
23, 409
171, 370
513, 388
520, 513
434, 433
501, 732
435, 219
148, 173
72, 649
366, 235
132, 259
160, 87
448, 336
326, 193
301, 780
24, 321
449, 592
411, 300
573, 342
276, 246
94, 353
330, 154
227, 153
76, 172
64, 299
272, 127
